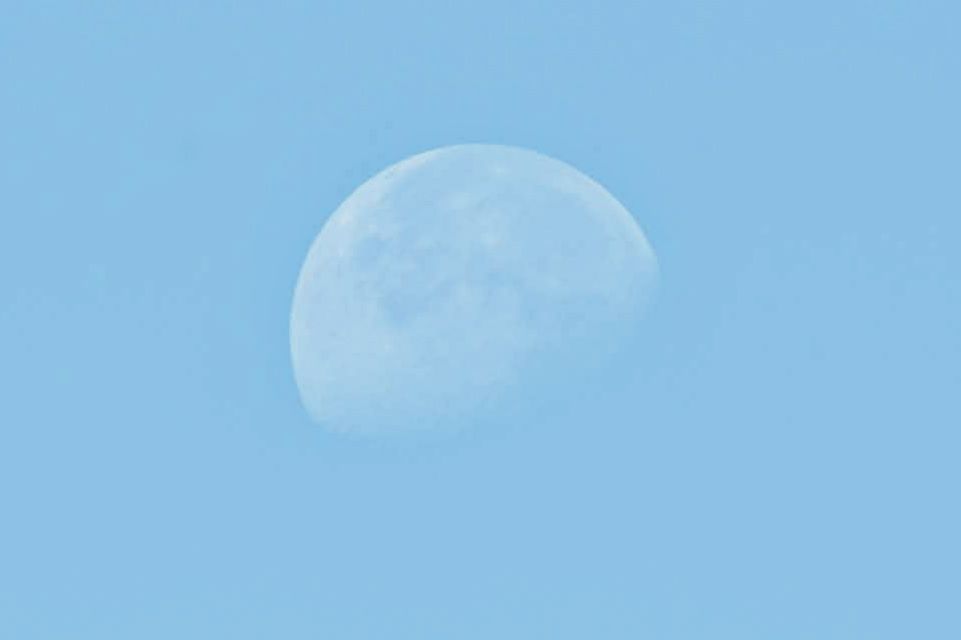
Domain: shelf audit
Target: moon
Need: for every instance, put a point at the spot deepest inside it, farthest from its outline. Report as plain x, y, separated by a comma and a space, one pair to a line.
460, 284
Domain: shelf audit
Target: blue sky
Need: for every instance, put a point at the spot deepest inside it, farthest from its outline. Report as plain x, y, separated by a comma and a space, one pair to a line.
781, 463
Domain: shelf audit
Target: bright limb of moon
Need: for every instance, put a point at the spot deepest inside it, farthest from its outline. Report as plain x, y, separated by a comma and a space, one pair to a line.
459, 282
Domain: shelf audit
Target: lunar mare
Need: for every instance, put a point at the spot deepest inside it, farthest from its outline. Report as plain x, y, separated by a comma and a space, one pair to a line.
460, 281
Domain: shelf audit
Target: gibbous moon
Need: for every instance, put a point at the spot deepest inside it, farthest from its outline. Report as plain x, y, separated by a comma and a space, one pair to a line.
460, 284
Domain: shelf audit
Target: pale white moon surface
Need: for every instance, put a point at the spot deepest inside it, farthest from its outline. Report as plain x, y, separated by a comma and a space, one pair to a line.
462, 282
